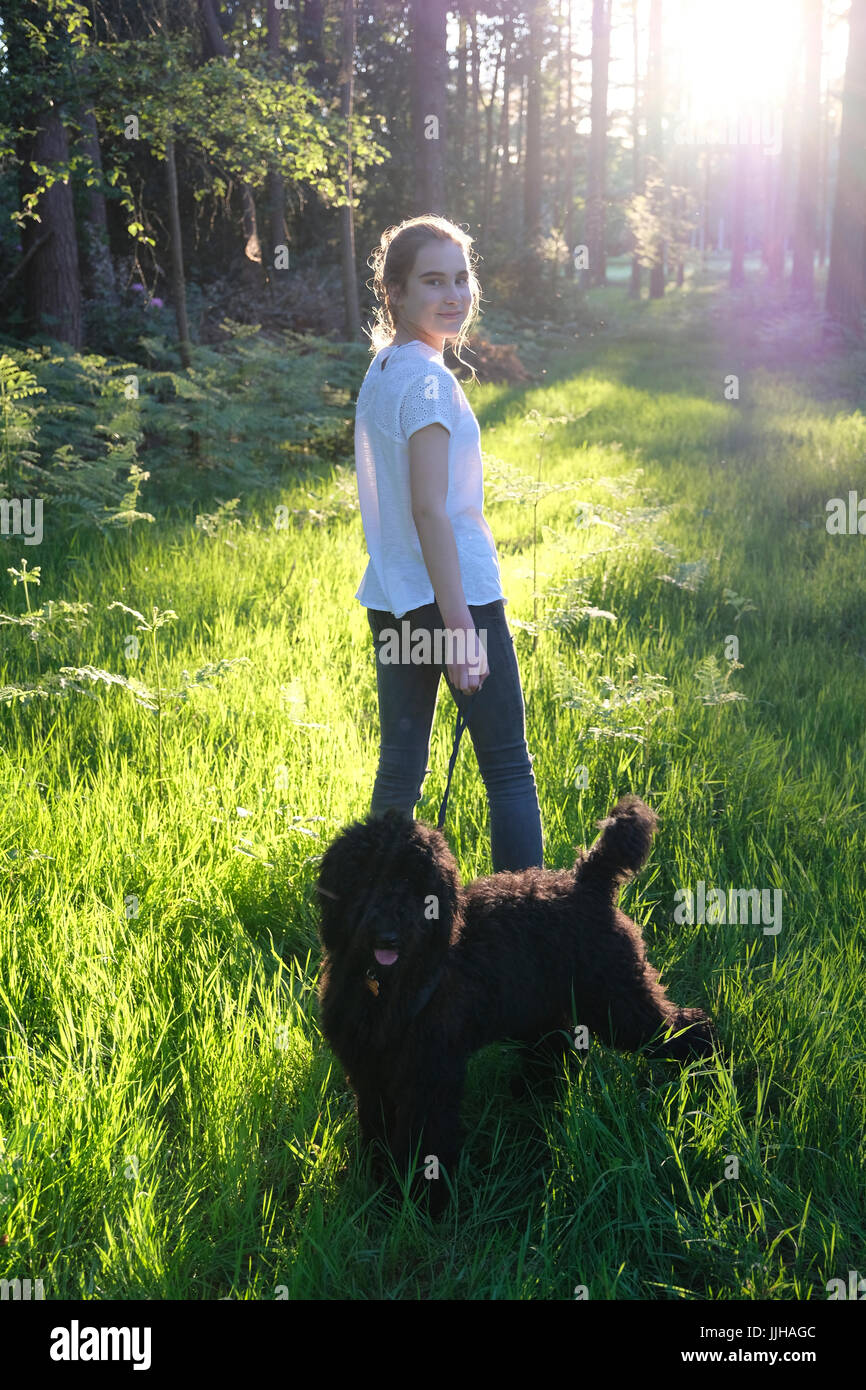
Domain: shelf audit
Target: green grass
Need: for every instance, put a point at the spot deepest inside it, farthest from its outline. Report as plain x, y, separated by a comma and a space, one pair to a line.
173, 1124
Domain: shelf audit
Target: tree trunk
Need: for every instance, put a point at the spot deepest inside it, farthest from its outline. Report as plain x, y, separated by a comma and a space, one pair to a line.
347, 220
568, 161
49, 264
678, 160
532, 168
823, 180
521, 125
518, 200
738, 217
489, 153
429, 70
634, 288
505, 121
276, 188
311, 37
460, 106
655, 83
705, 216
101, 282
216, 47
845, 277
474, 112
597, 155
803, 273
178, 280
317, 219
768, 175
781, 193
52, 287
557, 117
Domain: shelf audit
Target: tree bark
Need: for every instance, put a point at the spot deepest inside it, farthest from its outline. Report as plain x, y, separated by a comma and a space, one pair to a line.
475, 112
216, 47
738, 217
317, 219
655, 83
101, 283
347, 221
803, 273
678, 160
782, 187
22, 265
634, 289
460, 103
52, 287
823, 180
178, 279
49, 264
570, 141
707, 204
557, 116
532, 168
311, 37
429, 69
276, 187
505, 120
489, 153
521, 127
844, 303
597, 156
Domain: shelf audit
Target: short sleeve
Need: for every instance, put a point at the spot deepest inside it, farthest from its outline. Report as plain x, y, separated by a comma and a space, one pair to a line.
429, 399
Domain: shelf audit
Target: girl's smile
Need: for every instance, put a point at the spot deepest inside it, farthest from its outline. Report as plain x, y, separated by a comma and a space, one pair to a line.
437, 298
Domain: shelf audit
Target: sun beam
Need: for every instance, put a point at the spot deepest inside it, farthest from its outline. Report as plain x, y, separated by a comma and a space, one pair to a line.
732, 59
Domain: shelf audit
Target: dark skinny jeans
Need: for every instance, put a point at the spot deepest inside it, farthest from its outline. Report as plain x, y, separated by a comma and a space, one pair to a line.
407, 703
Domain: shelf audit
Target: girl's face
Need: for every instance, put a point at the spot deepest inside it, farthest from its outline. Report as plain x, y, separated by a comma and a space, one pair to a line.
437, 296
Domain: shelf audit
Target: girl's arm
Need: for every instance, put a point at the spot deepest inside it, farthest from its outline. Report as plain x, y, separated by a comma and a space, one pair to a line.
428, 472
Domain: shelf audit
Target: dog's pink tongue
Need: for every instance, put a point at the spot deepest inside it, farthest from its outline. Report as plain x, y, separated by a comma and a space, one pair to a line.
385, 957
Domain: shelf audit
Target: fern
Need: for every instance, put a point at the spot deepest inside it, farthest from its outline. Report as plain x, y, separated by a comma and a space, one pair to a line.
85, 454
618, 709
79, 680
713, 685
689, 575
738, 603
16, 384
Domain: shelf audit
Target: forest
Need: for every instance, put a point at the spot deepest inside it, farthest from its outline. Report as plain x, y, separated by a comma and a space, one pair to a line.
212, 161
666, 202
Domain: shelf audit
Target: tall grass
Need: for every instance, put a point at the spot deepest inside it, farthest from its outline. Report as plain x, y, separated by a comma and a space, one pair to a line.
172, 1123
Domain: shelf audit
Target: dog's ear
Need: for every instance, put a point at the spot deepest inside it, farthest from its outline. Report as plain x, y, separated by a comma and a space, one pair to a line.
339, 870
330, 916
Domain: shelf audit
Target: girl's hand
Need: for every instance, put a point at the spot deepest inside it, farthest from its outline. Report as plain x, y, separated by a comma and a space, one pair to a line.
469, 675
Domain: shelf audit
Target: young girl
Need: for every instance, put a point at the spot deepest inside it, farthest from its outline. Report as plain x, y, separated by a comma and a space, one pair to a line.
433, 562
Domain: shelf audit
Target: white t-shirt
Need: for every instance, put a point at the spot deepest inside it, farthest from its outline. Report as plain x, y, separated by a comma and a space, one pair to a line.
415, 389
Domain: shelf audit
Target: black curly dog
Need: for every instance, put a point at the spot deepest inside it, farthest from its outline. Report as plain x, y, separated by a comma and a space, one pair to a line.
420, 973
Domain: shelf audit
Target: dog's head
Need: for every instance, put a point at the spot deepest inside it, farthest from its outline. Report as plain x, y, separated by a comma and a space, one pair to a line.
388, 892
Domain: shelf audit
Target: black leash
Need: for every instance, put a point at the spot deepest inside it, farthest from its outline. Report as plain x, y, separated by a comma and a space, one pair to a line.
427, 991
424, 995
462, 723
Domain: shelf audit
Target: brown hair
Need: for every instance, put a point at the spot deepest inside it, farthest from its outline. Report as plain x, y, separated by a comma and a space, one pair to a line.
392, 261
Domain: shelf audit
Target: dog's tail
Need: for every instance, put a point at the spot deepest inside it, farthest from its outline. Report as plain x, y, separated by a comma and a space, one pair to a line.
623, 845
